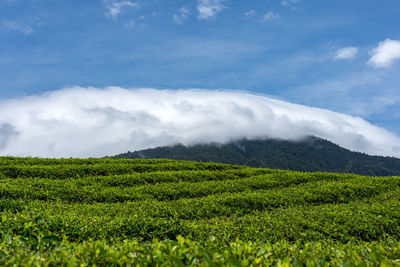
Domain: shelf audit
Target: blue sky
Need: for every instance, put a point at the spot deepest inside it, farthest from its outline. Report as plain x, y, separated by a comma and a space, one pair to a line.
337, 55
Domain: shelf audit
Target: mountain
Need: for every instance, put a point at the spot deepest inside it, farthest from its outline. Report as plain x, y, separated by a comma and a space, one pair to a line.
310, 154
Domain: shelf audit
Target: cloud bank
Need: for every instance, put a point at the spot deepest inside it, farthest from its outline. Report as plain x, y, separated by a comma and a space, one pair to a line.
385, 54
83, 122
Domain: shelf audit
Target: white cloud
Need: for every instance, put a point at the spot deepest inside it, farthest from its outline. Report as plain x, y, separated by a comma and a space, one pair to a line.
129, 24
208, 9
290, 3
385, 54
346, 53
250, 13
25, 29
269, 16
181, 15
82, 122
116, 8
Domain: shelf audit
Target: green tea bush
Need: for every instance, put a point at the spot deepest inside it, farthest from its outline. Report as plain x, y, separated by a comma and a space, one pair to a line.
165, 212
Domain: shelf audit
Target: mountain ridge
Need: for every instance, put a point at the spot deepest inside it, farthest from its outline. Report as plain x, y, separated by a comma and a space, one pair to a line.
311, 154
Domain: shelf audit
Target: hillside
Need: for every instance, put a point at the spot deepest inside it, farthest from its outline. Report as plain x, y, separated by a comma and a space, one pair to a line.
167, 212
311, 154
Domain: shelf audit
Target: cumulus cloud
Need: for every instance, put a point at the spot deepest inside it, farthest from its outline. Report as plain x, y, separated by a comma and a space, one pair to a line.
269, 16
82, 122
385, 54
116, 8
346, 53
208, 9
181, 15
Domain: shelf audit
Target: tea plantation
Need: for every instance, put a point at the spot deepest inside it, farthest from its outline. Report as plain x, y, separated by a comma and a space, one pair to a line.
127, 212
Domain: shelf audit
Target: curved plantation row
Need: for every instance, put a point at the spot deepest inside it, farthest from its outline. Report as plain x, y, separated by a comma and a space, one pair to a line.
117, 212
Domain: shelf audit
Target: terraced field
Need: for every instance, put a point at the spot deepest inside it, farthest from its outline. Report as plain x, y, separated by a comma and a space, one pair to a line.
166, 212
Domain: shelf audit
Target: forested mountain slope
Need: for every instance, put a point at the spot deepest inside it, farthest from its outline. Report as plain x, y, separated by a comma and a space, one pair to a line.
310, 154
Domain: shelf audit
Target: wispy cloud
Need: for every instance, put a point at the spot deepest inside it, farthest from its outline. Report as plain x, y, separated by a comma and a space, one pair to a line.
208, 9
116, 8
129, 24
346, 53
84, 122
385, 54
202, 50
370, 94
290, 3
23, 28
250, 13
181, 15
269, 16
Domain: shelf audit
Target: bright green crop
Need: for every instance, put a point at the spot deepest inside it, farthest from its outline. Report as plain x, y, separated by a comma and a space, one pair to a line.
165, 212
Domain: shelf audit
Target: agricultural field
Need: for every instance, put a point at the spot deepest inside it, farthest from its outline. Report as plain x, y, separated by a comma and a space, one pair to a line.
166, 212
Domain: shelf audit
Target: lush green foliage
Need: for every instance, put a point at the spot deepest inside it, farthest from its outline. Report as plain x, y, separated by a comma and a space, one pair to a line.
121, 211
310, 154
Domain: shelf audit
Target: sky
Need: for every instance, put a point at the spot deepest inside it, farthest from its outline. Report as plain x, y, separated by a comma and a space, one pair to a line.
328, 56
